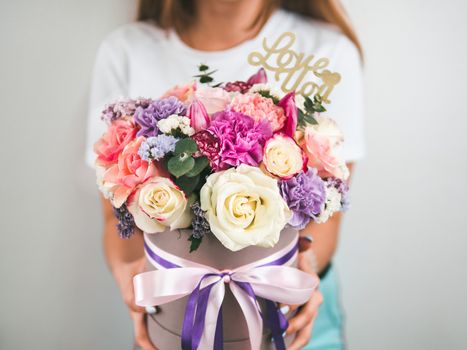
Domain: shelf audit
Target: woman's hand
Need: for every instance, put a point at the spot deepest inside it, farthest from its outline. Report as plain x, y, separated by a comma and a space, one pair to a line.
124, 274
302, 323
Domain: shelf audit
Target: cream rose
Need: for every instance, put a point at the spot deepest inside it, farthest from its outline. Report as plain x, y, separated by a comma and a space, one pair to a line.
283, 157
244, 207
159, 204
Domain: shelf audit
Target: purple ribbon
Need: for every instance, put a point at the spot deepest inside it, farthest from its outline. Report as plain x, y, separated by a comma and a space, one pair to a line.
195, 310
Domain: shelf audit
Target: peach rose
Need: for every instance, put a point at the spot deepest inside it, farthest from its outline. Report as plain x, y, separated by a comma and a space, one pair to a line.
119, 134
182, 92
159, 204
283, 157
213, 99
258, 107
320, 143
129, 172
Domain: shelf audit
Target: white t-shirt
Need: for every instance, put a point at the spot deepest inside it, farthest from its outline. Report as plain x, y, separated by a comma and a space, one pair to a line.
142, 60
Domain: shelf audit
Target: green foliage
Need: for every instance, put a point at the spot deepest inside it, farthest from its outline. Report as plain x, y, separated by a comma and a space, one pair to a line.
204, 76
187, 146
187, 184
180, 164
312, 106
267, 94
195, 243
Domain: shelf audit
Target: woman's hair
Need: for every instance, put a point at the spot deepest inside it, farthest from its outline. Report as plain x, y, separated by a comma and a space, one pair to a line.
179, 14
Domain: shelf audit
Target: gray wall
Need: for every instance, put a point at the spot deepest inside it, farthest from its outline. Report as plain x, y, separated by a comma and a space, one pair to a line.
402, 254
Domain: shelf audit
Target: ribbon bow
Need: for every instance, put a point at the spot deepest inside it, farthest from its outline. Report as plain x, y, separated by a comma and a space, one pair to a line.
269, 278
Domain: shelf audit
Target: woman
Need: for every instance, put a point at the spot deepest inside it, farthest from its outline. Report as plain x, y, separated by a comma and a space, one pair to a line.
164, 47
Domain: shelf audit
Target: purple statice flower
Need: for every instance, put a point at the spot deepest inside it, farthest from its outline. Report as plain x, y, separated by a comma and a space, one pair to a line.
342, 187
148, 117
126, 223
122, 108
156, 147
305, 195
241, 138
200, 223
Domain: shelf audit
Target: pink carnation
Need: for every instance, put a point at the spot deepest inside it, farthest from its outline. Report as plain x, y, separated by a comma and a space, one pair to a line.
259, 108
241, 139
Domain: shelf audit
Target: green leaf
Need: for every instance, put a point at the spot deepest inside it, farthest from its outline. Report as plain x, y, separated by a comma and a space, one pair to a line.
187, 146
203, 68
180, 165
205, 79
200, 164
195, 243
187, 184
267, 94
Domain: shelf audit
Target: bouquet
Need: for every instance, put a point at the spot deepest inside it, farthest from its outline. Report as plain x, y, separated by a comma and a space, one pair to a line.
238, 161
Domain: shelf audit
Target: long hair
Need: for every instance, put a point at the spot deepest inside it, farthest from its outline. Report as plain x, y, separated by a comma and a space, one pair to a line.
179, 14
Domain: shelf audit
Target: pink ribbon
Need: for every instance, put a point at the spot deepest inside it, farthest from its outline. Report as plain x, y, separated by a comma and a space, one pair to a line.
270, 278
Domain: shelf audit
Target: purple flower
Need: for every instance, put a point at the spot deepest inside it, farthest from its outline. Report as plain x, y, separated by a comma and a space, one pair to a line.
343, 189
126, 223
241, 139
200, 223
122, 108
305, 195
156, 147
148, 117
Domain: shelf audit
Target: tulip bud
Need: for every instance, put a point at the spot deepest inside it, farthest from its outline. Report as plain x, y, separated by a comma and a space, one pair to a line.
259, 78
290, 109
199, 117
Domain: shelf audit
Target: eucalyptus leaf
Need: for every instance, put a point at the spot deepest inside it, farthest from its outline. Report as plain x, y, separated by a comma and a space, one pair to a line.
200, 164
179, 165
187, 184
187, 146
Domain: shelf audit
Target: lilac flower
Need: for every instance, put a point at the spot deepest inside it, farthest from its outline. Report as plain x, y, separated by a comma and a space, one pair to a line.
200, 223
126, 223
148, 117
342, 187
122, 108
156, 147
305, 195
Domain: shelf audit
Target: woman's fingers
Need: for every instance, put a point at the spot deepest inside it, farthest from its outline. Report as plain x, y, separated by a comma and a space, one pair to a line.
306, 314
141, 333
303, 337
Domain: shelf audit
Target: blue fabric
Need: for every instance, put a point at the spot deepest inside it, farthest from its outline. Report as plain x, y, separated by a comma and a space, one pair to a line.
328, 328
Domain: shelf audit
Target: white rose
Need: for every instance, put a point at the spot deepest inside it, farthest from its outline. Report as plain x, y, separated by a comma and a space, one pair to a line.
283, 157
244, 207
159, 204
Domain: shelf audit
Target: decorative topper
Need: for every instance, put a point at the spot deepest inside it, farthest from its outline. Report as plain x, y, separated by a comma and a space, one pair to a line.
295, 66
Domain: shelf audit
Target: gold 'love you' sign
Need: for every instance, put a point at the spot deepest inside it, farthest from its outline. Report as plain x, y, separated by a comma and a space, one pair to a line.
295, 68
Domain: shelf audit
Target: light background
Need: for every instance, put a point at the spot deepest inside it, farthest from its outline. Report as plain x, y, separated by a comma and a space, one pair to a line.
403, 252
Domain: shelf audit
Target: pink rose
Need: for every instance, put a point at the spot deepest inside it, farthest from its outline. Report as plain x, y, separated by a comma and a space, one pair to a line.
259, 108
129, 172
119, 134
182, 92
320, 143
213, 99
